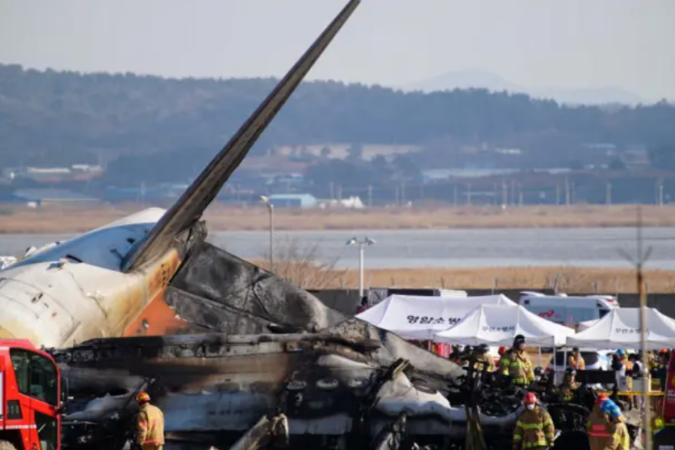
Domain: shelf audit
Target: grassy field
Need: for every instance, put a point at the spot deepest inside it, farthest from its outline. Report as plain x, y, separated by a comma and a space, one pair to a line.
570, 279
52, 219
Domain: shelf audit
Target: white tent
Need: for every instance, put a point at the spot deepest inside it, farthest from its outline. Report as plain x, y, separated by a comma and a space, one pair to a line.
415, 317
499, 325
621, 328
586, 324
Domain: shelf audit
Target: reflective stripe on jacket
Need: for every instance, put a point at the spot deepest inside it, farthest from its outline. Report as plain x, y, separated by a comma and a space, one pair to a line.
520, 367
599, 430
150, 425
534, 429
504, 363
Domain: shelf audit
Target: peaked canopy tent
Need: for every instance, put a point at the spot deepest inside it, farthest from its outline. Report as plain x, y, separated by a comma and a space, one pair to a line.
500, 324
621, 328
415, 317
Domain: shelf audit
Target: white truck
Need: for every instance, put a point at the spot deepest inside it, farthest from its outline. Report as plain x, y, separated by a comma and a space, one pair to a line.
567, 310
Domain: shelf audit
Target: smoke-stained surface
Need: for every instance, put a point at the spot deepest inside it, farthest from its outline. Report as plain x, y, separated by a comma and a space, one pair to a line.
224, 293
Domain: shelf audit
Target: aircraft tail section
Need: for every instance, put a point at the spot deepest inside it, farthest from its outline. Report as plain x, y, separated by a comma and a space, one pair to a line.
191, 205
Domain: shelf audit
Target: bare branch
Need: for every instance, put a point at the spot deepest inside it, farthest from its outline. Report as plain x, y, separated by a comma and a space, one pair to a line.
302, 265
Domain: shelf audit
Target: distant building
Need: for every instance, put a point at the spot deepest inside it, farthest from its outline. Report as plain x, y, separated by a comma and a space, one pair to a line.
43, 197
76, 172
293, 200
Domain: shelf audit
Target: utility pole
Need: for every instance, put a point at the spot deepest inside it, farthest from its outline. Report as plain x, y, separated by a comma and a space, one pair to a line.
659, 200
468, 194
567, 192
362, 245
513, 191
402, 192
339, 191
608, 194
370, 196
520, 196
557, 194
505, 194
270, 210
574, 193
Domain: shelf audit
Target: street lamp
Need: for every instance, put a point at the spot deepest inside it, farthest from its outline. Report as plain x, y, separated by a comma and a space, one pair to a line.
270, 209
362, 245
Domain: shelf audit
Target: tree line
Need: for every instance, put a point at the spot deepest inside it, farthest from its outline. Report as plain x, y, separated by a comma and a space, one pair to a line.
51, 117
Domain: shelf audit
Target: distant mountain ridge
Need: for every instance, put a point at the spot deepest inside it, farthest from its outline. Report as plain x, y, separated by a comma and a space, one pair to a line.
480, 79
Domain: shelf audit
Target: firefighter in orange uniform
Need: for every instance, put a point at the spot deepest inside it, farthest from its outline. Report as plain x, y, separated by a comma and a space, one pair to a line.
150, 424
598, 426
575, 360
534, 429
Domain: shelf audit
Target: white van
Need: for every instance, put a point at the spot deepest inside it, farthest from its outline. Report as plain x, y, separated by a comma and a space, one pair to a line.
568, 310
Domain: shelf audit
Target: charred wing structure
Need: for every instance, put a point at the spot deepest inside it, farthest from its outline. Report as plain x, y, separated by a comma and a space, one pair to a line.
345, 384
217, 291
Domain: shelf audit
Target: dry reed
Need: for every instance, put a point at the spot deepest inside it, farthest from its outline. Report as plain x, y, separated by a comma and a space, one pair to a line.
52, 219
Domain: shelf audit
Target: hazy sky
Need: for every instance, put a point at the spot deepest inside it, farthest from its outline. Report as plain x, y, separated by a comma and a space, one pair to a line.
533, 43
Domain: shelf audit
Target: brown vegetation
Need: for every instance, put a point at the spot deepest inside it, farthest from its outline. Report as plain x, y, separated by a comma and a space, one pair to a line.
302, 266
52, 219
569, 279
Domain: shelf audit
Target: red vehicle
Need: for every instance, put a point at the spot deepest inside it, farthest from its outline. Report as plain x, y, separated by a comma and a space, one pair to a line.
30, 397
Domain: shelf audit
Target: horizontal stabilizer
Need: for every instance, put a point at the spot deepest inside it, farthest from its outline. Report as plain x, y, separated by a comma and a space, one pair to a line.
191, 205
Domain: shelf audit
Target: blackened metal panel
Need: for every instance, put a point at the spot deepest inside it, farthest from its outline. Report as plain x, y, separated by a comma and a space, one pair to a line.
220, 277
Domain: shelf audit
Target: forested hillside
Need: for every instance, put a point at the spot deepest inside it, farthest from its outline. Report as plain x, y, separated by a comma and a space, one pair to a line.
64, 117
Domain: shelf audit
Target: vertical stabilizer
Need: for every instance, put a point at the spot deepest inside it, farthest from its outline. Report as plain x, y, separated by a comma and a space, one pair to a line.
191, 205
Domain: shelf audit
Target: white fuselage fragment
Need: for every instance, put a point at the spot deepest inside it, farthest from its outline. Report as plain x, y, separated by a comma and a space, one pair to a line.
75, 291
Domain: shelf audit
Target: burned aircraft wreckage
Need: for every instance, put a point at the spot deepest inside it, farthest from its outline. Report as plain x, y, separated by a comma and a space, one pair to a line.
233, 355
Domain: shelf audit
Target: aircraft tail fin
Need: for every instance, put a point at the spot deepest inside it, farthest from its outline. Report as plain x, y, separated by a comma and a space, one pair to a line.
191, 205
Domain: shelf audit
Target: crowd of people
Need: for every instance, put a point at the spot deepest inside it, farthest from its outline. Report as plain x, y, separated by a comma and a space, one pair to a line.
606, 424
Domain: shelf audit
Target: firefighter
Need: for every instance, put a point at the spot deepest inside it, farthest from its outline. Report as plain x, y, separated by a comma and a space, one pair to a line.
568, 386
520, 366
619, 437
455, 354
534, 429
575, 360
150, 424
483, 358
660, 370
598, 426
504, 354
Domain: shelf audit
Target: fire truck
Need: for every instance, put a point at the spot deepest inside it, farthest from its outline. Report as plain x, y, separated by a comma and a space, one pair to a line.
30, 398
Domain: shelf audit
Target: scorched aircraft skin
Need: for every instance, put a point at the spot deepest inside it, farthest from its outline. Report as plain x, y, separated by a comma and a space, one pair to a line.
147, 303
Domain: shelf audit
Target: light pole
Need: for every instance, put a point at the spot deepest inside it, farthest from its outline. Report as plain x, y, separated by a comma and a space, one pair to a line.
362, 244
270, 209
